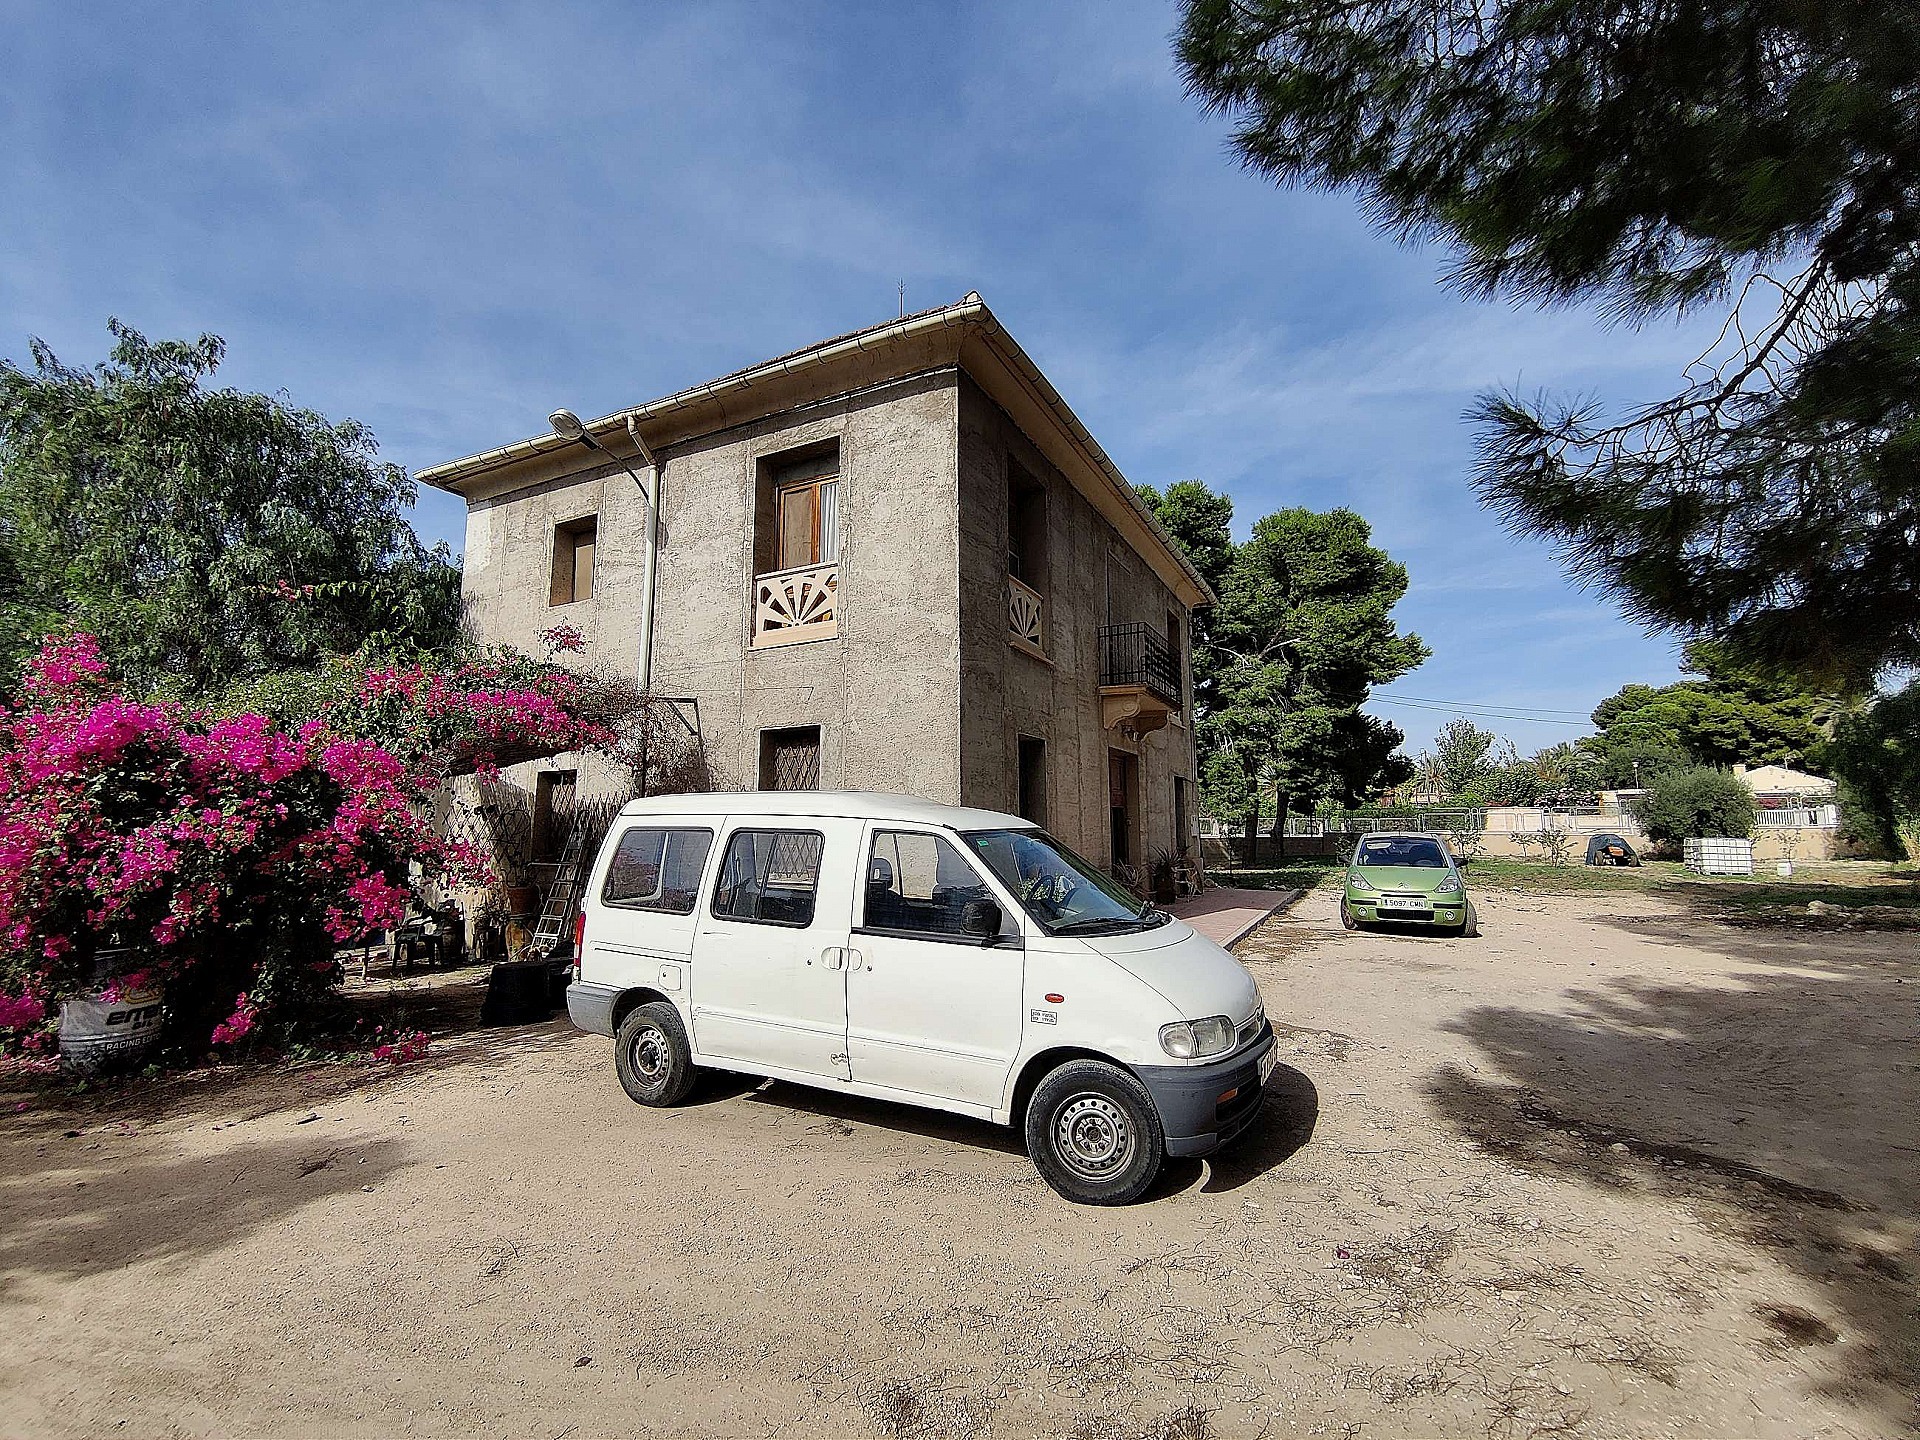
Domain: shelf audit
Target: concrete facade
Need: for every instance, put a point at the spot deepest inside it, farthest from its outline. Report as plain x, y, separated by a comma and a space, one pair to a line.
918, 689
1093, 578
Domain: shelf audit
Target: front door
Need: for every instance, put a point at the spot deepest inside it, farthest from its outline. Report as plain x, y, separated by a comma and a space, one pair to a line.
930, 1009
770, 954
1122, 784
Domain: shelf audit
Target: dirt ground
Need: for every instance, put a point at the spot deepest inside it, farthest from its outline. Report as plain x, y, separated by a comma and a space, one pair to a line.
1614, 1169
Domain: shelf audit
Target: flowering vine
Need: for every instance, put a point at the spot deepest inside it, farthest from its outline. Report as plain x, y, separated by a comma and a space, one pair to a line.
225, 856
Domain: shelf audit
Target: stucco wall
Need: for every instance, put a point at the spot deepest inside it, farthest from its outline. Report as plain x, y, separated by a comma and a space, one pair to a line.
884, 691
1007, 692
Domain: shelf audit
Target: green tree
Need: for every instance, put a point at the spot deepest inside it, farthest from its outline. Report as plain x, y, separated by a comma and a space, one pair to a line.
208, 536
1201, 522
1725, 715
1876, 755
1695, 801
1463, 758
1754, 158
1302, 631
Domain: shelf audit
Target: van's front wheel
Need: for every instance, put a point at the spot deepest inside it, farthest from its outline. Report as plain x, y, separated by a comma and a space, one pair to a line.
651, 1053
1093, 1133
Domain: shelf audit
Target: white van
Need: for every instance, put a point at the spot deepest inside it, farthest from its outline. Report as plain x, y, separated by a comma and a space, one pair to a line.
883, 946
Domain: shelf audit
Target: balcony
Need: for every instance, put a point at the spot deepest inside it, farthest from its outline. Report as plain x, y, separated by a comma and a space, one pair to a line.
1026, 617
793, 606
1139, 679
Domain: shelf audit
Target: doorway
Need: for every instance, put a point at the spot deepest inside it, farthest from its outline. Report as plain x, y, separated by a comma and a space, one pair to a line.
1123, 806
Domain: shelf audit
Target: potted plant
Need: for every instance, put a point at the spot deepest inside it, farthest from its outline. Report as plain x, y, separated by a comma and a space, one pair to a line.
1164, 880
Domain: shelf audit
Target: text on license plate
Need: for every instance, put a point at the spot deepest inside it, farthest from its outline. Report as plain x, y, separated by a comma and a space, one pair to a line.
1399, 902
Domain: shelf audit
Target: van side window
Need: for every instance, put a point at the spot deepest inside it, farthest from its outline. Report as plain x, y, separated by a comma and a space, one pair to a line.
769, 877
918, 884
657, 869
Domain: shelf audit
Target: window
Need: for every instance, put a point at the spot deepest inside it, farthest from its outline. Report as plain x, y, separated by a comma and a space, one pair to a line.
805, 502
918, 884
1410, 851
1182, 825
656, 869
769, 877
1026, 528
573, 545
1031, 801
553, 813
790, 759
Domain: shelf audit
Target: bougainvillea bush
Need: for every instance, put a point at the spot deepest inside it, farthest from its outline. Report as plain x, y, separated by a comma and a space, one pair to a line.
227, 856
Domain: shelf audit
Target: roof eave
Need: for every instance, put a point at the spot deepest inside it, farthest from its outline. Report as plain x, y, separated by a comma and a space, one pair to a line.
458, 476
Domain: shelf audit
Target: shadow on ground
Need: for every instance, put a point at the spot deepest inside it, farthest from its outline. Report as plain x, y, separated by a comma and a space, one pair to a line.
1285, 1124
75, 1204
446, 1005
1776, 1103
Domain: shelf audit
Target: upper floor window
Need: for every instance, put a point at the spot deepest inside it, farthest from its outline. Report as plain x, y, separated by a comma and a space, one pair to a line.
1026, 528
1026, 560
573, 546
806, 512
796, 547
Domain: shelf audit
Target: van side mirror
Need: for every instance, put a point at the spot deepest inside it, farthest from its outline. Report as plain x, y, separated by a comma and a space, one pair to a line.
981, 919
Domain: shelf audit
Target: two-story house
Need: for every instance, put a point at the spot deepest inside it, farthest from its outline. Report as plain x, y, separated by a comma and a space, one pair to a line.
891, 561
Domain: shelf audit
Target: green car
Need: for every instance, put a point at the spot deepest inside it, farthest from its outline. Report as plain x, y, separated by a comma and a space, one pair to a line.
1406, 879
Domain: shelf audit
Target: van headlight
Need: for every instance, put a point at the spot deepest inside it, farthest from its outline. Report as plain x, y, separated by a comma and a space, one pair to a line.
1194, 1039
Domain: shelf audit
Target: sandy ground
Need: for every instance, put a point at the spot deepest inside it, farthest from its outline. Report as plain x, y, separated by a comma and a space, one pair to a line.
1610, 1170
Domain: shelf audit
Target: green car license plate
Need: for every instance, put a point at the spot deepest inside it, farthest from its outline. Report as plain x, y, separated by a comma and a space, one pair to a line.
1396, 902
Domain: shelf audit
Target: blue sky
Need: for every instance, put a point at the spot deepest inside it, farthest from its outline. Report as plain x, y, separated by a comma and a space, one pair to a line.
446, 220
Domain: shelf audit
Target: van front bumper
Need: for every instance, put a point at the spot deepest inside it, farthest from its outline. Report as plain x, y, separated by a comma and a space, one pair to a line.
1188, 1097
590, 1007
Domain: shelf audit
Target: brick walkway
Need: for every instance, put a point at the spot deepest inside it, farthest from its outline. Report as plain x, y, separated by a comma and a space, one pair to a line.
1224, 914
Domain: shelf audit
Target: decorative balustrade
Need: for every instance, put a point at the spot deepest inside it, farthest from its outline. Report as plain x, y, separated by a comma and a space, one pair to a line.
790, 606
1026, 614
1139, 655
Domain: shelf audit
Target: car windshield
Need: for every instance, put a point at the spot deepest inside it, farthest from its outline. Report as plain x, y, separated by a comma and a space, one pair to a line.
1402, 850
1064, 893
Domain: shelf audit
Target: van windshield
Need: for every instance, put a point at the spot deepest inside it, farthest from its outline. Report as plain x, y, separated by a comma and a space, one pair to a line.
1067, 895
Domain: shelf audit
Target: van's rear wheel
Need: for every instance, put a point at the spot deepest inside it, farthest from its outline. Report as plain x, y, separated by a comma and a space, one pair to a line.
1093, 1133
651, 1053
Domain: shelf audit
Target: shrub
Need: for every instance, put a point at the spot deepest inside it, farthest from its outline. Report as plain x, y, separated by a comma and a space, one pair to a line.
1695, 801
227, 856
1555, 841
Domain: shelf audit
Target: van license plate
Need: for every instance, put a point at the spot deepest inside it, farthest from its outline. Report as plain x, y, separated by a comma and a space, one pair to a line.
1397, 902
1268, 1061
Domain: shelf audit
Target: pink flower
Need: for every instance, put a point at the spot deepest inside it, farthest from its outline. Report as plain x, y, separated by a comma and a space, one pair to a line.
66, 664
235, 1027
17, 1012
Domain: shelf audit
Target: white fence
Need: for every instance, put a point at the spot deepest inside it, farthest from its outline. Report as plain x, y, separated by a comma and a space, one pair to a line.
1507, 820
1799, 817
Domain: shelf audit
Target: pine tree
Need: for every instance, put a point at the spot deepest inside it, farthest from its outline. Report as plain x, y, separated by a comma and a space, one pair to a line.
1754, 158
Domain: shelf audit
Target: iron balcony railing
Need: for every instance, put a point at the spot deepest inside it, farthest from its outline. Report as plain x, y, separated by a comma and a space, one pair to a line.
1140, 655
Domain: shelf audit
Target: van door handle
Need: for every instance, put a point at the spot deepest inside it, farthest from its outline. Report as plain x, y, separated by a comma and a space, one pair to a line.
833, 959
855, 960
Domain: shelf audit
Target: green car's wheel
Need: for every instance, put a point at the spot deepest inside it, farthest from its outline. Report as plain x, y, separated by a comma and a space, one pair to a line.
1347, 922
